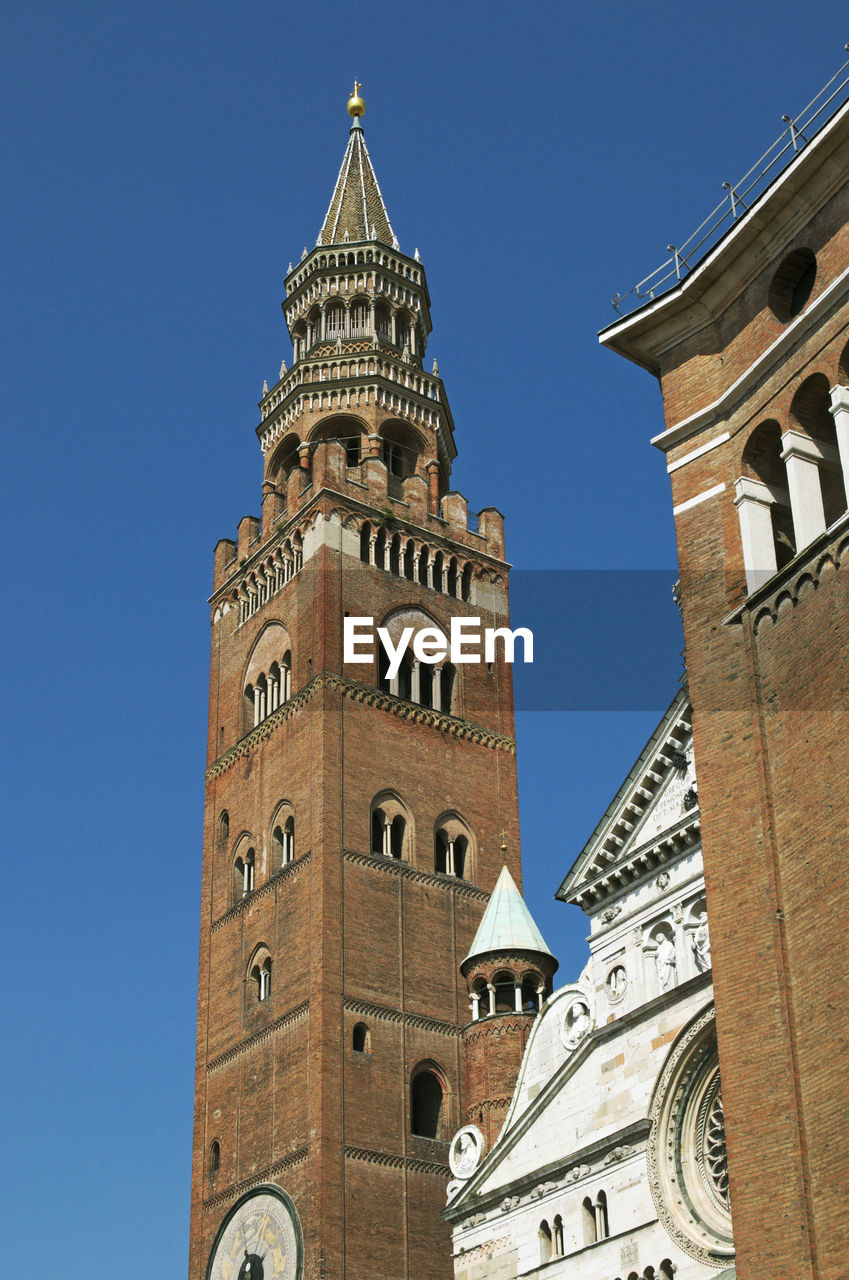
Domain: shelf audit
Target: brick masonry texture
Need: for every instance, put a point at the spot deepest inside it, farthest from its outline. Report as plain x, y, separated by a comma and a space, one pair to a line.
771, 726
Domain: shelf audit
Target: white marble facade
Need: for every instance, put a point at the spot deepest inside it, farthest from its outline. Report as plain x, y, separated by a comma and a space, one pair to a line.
610, 1163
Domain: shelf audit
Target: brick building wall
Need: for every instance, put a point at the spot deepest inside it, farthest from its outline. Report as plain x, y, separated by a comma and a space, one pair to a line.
766, 658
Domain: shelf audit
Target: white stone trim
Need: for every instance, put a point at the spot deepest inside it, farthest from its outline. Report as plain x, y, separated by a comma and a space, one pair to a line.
701, 497
697, 453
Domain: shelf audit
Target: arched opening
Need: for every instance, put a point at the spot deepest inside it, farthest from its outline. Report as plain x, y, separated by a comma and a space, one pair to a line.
284, 459
365, 543
244, 869
766, 521
359, 318
424, 558
346, 431
479, 995
426, 684
588, 1221
557, 1237
531, 984
380, 549
602, 1226
408, 560
259, 976
395, 554
390, 827
214, 1158
334, 321
405, 677
792, 284
224, 828
361, 1039
452, 847
452, 576
466, 587
401, 447
449, 689
811, 410
437, 571
505, 992
667, 1270
283, 839
397, 832
425, 1105
544, 1237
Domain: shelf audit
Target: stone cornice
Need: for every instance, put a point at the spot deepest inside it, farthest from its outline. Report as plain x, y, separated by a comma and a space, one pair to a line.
410, 1163
357, 692
256, 895
395, 866
385, 1014
554, 1177
245, 1046
264, 1175
640, 862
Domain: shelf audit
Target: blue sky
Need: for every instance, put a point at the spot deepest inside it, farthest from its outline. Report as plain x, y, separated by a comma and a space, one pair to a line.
164, 163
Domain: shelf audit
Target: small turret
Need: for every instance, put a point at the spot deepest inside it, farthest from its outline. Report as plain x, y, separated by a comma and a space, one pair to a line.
508, 971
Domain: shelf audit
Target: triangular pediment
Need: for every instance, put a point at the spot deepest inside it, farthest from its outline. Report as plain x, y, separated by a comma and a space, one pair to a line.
653, 816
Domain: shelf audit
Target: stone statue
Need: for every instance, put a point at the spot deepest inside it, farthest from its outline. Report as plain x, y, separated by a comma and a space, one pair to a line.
700, 942
666, 962
576, 1024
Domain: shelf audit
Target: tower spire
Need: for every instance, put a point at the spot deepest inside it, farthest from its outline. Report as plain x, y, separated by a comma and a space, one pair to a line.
356, 210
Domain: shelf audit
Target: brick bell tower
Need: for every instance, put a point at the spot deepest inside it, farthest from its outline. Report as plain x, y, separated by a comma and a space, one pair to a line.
353, 820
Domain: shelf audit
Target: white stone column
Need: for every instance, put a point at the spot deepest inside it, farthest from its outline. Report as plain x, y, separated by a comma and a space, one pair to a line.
387, 838
840, 413
372, 542
753, 500
449, 859
273, 694
416, 681
437, 688
475, 1005
802, 458
257, 704
491, 989
517, 995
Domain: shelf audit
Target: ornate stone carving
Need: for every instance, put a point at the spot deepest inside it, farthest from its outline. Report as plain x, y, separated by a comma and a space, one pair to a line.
466, 1151
700, 944
576, 1023
686, 1147
610, 914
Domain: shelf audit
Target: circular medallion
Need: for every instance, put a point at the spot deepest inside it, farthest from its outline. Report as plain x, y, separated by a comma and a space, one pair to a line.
466, 1150
260, 1239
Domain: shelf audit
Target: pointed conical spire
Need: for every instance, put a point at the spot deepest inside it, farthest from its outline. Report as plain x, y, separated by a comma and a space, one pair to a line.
356, 211
507, 924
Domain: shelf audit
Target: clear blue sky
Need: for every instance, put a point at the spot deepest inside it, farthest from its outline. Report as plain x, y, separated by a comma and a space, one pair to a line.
163, 163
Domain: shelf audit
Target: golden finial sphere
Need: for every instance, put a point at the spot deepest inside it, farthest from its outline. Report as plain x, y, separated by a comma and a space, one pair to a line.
356, 106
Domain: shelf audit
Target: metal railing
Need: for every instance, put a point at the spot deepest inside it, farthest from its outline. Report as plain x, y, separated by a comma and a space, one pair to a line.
801, 129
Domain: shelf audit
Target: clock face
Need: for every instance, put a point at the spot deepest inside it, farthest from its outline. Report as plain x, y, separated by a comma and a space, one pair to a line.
260, 1239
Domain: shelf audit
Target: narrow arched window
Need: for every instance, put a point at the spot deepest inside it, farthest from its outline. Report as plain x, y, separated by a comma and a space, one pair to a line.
602, 1227
224, 828
261, 979
667, 1270
365, 543
461, 844
544, 1236
405, 677
466, 590
440, 859
425, 1105
214, 1158
396, 836
361, 1039
449, 682
530, 993
505, 992
557, 1237
378, 826
588, 1219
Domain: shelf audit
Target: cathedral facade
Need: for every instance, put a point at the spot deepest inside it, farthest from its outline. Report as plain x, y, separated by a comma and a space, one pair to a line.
610, 1163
